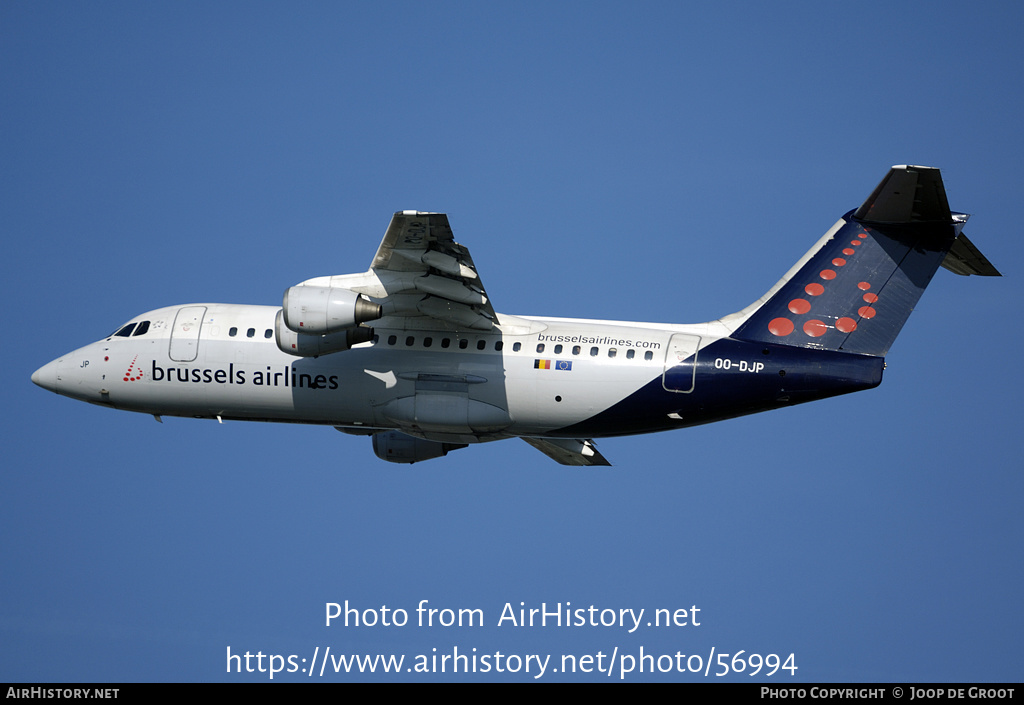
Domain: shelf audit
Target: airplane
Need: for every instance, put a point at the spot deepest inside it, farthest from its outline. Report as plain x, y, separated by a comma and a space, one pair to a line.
412, 353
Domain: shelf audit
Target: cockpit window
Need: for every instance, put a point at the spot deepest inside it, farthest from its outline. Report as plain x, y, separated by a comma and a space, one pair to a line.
126, 331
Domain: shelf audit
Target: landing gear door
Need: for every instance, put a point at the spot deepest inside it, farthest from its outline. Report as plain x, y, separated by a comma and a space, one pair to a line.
185, 333
681, 363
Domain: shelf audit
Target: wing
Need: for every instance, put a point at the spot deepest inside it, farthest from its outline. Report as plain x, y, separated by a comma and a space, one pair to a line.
426, 273
567, 451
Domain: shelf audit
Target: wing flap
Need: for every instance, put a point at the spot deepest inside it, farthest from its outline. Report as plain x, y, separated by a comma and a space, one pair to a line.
427, 273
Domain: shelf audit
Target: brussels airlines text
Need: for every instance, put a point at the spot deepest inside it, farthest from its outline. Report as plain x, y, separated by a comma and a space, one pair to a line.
283, 376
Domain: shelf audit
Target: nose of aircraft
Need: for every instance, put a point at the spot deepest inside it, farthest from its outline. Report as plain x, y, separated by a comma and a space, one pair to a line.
46, 376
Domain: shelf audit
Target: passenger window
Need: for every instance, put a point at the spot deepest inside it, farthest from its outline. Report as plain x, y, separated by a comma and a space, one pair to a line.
630, 354
409, 341
445, 342
558, 349
516, 347
481, 344
540, 347
499, 345
233, 331
268, 334
392, 339
576, 349
141, 330
250, 333
463, 344
648, 355
593, 352
427, 342
612, 352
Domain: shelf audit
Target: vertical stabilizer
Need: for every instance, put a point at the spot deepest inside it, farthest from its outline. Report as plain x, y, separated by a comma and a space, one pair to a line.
856, 289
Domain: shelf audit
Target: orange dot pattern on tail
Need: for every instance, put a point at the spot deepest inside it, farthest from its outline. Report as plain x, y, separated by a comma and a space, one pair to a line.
816, 328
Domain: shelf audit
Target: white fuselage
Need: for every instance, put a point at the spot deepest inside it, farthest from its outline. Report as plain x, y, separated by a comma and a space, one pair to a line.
527, 376
412, 352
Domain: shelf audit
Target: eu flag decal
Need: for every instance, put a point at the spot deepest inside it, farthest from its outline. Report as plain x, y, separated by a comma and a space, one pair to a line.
563, 364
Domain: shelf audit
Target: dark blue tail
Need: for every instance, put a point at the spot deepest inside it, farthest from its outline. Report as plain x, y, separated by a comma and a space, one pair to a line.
856, 288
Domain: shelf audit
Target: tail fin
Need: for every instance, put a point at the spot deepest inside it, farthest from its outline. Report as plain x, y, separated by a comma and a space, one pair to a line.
856, 288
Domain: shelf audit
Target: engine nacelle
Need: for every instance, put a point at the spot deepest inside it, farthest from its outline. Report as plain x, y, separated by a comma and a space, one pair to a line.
321, 310
306, 345
397, 447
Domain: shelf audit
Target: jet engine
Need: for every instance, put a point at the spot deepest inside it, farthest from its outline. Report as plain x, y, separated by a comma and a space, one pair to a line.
315, 345
397, 447
322, 310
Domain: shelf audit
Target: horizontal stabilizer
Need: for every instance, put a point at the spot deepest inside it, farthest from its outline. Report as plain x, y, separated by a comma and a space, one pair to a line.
907, 194
567, 451
964, 258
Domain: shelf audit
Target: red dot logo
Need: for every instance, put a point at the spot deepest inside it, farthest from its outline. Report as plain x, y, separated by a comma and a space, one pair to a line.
814, 289
866, 312
839, 262
129, 376
863, 286
815, 328
781, 326
846, 325
848, 251
828, 274
870, 298
799, 306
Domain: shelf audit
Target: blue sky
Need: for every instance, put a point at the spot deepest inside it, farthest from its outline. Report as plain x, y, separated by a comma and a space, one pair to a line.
654, 161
